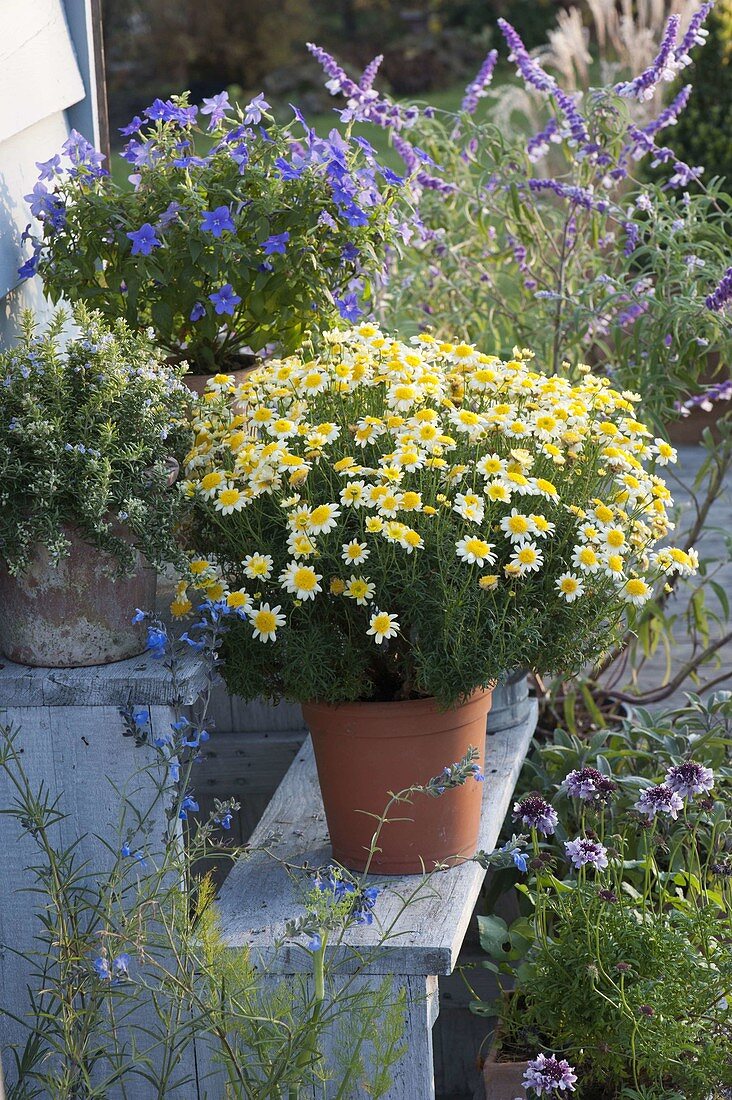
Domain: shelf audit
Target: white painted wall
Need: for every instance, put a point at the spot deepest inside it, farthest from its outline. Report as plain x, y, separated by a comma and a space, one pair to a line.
47, 84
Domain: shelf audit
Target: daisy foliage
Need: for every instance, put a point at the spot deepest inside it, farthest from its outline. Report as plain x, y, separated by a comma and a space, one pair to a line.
421, 518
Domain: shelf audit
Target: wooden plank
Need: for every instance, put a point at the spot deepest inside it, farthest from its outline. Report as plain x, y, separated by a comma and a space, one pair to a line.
138, 680
39, 74
259, 897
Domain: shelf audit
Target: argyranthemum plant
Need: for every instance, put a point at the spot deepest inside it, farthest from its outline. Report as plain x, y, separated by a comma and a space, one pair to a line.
396, 519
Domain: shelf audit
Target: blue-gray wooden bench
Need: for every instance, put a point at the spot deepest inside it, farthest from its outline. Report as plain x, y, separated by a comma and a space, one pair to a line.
424, 941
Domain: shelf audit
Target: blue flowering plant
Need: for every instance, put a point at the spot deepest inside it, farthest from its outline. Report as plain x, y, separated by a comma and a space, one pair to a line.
622, 956
563, 220
236, 234
89, 432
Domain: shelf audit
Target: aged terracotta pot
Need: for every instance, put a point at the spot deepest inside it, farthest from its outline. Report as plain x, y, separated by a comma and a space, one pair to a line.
75, 613
198, 382
503, 1080
365, 750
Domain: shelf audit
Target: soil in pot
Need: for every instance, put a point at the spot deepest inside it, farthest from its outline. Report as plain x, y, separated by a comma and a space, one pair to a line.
364, 751
75, 613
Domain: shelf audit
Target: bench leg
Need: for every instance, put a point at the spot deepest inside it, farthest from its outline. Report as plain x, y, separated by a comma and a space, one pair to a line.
414, 1073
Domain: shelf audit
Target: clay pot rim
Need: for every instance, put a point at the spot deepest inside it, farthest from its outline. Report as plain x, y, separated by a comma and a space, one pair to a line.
426, 706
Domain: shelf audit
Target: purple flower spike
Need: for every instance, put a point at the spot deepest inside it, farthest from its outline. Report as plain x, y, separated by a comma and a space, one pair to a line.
583, 850
535, 813
720, 298
663, 67
659, 800
368, 76
478, 88
548, 1075
690, 778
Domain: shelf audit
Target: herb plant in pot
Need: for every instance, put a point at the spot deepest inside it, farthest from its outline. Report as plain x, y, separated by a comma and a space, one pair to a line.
238, 235
402, 525
89, 431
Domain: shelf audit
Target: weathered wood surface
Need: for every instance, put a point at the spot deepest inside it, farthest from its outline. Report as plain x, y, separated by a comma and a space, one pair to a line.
259, 897
140, 680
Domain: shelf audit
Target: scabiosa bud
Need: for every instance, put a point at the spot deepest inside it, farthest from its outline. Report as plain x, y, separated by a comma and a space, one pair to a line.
689, 778
659, 800
583, 850
646, 1010
535, 813
622, 967
608, 896
589, 785
547, 1075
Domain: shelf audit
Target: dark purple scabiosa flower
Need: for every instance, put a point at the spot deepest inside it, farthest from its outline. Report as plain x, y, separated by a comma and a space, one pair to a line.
608, 896
583, 851
720, 298
589, 785
548, 1075
659, 800
689, 778
535, 813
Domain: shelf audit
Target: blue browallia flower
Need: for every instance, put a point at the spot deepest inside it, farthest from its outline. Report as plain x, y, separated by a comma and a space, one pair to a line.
49, 168
216, 106
253, 111
143, 240
348, 307
169, 215
45, 205
218, 221
28, 269
289, 171
188, 804
83, 155
132, 127
198, 311
276, 243
225, 300
349, 253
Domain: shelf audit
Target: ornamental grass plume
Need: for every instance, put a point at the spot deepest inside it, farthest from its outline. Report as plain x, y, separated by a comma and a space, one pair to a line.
394, 519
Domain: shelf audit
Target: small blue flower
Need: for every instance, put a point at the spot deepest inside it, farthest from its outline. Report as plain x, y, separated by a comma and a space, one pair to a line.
139, 616
121, 966
225, 300
157, 641
253, 111
102, 967
348, 307
49, 168
198, 311
315, 943
188, 804
140, 717
276, 243
218, 221
216, 106
520, 860
28, 269
132, 127
144, 240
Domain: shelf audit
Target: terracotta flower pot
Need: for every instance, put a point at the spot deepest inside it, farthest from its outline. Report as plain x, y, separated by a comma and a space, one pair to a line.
75, 613
198, 382
503, 1080
365, 750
